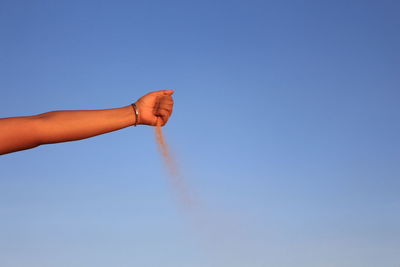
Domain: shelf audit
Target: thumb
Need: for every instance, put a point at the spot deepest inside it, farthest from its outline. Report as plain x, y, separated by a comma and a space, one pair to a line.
162, 92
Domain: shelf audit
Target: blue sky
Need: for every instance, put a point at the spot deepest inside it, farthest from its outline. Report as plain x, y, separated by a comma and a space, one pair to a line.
286, 124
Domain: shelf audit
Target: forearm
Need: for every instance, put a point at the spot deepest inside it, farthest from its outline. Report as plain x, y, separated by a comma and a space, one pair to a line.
62, 126
21, 133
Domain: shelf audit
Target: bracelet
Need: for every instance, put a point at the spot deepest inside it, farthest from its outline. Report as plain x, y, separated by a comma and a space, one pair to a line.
136, 113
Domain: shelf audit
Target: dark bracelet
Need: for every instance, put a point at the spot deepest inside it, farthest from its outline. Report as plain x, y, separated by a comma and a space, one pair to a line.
135, 109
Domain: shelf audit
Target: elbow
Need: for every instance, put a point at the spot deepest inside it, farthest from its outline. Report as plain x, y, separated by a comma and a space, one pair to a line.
19, 133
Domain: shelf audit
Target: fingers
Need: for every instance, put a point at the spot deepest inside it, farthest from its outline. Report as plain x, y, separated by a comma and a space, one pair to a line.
164, 113
164, 102
160, 120
164, 108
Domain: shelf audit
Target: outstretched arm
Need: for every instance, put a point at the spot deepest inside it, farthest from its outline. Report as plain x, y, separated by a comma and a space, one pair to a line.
19, 133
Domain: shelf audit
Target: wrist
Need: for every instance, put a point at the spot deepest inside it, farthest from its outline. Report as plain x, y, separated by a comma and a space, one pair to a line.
135, 114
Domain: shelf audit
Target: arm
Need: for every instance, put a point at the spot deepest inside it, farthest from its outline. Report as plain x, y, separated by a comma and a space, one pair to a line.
19, 133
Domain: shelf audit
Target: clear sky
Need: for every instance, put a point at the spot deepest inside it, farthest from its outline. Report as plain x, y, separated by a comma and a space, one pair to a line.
286, 124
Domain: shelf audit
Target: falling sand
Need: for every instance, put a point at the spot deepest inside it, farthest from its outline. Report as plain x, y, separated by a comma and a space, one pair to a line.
217, 237
176, 178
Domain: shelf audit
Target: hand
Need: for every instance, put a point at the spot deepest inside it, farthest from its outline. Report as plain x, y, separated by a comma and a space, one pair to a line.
155, 108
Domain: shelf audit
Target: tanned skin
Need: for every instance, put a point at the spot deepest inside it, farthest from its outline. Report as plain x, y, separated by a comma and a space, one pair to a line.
20, 133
